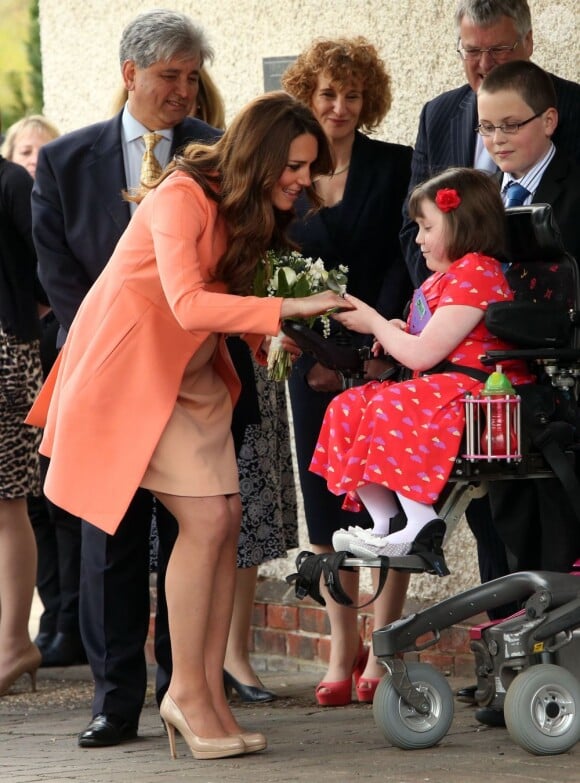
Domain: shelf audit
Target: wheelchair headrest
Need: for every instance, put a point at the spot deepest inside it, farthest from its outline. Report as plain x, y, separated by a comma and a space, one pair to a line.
533, 234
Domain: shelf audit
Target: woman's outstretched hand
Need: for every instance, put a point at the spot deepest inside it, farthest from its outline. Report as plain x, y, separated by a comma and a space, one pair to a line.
317, 304
360, 317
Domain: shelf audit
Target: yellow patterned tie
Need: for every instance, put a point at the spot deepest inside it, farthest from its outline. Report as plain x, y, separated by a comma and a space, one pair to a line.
150, 166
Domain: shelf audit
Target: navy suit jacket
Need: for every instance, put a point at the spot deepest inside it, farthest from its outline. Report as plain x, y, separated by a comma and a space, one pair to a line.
446, 138
560, 187
78, 211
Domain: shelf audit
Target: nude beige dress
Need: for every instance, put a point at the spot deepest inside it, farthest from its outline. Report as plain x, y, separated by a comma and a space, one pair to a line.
195, 456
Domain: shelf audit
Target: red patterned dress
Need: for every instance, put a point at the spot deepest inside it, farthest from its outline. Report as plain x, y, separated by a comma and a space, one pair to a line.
406, 435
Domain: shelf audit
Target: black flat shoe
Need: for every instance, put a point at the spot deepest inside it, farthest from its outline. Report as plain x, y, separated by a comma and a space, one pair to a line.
490, 717
105, 730
247, 693
66, 649
467, 694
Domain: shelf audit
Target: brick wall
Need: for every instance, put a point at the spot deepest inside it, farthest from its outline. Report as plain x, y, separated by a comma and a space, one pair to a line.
287, 633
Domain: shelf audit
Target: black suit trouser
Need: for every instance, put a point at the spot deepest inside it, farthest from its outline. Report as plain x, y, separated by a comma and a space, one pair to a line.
115, 607
536, 522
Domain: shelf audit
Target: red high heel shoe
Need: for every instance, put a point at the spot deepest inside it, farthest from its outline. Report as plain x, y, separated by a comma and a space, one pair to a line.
365, 689
339, 693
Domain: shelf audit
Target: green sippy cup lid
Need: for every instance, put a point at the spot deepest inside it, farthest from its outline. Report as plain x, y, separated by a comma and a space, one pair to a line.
498, 383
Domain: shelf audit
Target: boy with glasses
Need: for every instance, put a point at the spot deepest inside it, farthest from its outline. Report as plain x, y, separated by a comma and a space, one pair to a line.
517, 120
489, 33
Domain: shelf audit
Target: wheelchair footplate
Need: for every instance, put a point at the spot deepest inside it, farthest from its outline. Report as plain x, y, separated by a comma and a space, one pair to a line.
312, 567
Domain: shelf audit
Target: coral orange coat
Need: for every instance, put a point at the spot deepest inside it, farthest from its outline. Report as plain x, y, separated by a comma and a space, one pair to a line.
116, 381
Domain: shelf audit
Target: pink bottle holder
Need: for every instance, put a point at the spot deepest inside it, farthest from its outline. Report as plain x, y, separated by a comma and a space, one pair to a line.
492, 428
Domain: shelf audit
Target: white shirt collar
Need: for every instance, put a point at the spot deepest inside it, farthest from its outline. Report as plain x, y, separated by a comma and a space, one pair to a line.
133, 129
532, 178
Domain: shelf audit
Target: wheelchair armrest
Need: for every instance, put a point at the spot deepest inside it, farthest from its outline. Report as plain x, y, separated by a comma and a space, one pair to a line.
529, 354
345, 359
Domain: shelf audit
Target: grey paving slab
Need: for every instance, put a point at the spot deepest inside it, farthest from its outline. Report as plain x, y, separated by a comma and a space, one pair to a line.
307, 743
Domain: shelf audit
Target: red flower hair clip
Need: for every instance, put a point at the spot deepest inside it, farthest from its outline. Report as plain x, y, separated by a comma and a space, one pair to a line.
447, 199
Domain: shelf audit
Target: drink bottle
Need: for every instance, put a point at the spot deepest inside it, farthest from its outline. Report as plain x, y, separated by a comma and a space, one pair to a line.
499, 437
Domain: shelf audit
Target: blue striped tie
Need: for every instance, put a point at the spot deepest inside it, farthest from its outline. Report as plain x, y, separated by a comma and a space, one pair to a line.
516, 194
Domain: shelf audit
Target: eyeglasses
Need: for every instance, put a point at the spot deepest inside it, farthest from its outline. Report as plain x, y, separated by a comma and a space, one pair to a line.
487, 129
497, 53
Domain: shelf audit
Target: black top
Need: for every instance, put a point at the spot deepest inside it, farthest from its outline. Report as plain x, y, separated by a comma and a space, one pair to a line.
19, 287
361, 231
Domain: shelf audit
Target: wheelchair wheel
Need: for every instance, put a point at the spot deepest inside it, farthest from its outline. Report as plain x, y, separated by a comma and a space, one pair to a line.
401, 724
542, 709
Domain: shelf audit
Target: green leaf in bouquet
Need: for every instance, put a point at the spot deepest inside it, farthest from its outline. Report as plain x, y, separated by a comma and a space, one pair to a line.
302, 287
336, 282
284, 289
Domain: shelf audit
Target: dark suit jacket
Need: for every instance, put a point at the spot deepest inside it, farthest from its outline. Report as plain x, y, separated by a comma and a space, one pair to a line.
446, 138
361, 231
78, 212
560, 187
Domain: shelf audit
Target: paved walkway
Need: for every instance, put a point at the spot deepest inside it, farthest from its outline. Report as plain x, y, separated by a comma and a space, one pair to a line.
306, 743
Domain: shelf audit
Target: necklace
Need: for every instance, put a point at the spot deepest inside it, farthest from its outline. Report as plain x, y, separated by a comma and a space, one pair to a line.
340, 171
334, 173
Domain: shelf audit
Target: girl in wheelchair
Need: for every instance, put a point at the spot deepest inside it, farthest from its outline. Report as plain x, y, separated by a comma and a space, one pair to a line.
390, 445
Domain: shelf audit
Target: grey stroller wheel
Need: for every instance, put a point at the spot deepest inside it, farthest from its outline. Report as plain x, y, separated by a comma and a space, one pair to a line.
401, 724
542, 709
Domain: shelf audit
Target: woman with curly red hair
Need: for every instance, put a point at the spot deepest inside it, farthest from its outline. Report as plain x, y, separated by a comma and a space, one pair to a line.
346, 84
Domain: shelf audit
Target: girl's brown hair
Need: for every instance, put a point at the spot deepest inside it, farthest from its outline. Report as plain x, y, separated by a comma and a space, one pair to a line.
478, 223
240, 171
342, 60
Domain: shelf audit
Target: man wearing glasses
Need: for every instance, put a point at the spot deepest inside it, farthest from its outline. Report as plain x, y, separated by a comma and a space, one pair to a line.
489, 33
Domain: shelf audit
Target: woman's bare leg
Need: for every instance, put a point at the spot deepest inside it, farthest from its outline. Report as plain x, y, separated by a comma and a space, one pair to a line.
344, 627
17, 579
237, 660
200, 586
387, 608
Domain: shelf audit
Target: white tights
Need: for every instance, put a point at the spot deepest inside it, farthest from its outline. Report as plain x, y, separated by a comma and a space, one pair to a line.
383, 504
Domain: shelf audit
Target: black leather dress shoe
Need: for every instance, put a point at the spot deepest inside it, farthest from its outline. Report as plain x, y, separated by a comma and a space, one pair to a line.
106, 729
66, 649
490, 717
467, 694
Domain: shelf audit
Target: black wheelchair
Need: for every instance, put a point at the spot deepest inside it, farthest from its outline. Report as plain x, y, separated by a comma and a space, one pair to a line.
528, 664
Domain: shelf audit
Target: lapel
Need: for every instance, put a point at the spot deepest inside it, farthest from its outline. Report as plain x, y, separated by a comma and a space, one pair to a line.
361, 177
552, 180
182, 135
341, 235
107, 169
462, 136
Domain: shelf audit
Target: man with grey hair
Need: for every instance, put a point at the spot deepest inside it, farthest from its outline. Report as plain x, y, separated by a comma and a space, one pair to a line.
79, 215
489, 32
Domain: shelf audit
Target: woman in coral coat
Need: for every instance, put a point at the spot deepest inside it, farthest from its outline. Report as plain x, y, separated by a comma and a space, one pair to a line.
146, 379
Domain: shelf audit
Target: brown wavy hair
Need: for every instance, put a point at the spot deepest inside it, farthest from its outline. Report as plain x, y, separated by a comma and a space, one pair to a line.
240, 171
478, 224
342, 60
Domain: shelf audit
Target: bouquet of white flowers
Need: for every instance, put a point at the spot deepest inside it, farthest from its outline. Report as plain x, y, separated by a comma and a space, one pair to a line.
290, 275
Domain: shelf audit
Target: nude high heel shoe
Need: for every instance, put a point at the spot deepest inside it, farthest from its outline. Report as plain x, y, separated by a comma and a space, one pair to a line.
253, 741
28, 663
200, 747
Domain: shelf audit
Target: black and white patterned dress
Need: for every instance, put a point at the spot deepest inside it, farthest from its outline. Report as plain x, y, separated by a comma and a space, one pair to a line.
267, 487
